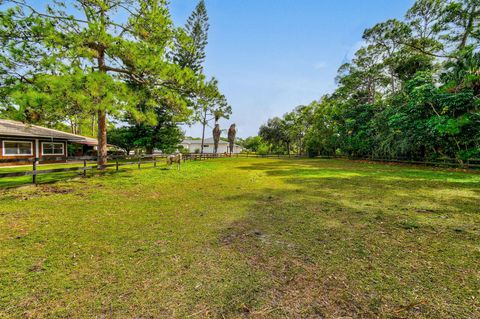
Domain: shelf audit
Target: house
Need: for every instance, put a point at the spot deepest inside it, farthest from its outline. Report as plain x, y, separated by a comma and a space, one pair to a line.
26, 141
192, 145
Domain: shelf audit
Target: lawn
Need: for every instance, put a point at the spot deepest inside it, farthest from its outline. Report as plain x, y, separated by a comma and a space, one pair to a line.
229, 238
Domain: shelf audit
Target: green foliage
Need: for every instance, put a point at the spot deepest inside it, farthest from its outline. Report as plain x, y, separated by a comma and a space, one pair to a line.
252, 143
122, 137
412, 91
77, 58
191, 42
164, 135
276, 134
263, 149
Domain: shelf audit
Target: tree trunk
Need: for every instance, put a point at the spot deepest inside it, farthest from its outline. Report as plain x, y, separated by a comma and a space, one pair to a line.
102, 114
204, 123
468, 28
392, 80
150, 149
72, 126
93, 124
102, 139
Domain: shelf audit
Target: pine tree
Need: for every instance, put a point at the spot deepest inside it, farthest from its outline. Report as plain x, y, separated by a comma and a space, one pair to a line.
192, 42
190, 53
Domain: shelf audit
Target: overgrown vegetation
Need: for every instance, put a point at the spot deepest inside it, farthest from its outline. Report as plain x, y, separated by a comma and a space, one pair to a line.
412, 91
237, 237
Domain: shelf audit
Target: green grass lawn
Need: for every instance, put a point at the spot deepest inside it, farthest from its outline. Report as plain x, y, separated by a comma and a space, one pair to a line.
229, 238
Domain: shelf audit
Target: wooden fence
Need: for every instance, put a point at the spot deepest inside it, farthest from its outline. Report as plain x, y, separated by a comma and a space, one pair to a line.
114, 161
440, 162
473, 163
119, 161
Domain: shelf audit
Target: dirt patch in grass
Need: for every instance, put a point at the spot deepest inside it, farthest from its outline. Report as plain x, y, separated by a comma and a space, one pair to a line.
32, 192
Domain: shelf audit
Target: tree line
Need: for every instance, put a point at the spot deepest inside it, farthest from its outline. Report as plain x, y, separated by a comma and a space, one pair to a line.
85, 65
411, 91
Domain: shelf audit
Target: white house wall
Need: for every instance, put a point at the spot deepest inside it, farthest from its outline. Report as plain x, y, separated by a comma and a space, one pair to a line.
222, 148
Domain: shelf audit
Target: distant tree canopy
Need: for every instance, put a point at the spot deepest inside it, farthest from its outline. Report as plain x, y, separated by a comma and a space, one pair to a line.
252, 143
412, 91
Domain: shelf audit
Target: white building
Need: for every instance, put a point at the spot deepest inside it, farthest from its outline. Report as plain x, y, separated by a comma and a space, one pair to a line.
193, 145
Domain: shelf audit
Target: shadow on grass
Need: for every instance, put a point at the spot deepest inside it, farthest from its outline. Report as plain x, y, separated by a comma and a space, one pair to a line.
317, 167
359, 240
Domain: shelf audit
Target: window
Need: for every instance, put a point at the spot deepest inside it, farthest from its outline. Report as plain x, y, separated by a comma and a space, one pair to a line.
49, 148
14, 148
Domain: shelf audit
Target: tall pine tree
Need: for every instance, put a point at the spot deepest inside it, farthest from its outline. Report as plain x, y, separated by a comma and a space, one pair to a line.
190, 53
192, 42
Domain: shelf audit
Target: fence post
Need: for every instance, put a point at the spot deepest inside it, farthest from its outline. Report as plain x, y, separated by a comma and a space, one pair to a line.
154, 161
116, 164
34, 176
139, 161
84, 168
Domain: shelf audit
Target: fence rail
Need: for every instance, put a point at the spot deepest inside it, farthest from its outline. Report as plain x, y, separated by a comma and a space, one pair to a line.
473, 163
115, 161
119, 161
441, 162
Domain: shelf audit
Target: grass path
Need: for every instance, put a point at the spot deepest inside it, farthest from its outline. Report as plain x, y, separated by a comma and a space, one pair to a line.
244, 237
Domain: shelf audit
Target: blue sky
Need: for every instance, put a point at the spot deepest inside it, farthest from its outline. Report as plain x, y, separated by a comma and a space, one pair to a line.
272, 55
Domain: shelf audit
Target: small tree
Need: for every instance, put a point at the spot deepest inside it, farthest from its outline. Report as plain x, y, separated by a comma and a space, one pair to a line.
190, 53
216, 137
232, 133
213, 106
276, 133
122, 137
164, 134
253, 143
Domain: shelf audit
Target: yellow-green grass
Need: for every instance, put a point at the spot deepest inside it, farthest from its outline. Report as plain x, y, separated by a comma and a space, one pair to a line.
229, 238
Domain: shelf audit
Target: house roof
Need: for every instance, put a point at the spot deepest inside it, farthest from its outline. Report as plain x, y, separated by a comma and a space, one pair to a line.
15, 128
